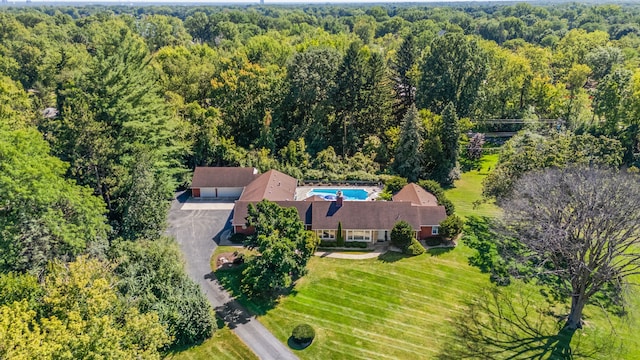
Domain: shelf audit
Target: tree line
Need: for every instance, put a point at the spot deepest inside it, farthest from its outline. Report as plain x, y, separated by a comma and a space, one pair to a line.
104, 110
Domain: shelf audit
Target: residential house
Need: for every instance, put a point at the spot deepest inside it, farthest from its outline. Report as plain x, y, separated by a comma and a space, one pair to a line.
364, 221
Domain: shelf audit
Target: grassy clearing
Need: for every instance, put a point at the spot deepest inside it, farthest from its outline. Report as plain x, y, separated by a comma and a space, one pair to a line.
396, 307
223, 345
469, 189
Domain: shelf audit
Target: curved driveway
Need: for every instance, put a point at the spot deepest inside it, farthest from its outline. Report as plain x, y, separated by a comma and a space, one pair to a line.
196, 232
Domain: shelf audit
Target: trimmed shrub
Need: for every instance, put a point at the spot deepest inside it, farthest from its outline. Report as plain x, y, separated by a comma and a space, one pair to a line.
414, 249
433, 241
356, 244
237, 238
402, 234
451, 226
328, 243
303, 334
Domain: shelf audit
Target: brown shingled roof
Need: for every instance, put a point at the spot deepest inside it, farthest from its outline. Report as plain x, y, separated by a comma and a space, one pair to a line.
241, 210
416, 195
314, 198
223, 176
431, 215
272, 185
364, 214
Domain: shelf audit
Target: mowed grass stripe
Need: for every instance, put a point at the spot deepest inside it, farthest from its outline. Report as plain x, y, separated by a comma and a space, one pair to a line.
398, 296
364, 335
371, 333
358, 317
416, 289
411, 307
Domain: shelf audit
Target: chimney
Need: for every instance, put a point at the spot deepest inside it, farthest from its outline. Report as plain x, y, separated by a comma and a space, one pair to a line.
339, 198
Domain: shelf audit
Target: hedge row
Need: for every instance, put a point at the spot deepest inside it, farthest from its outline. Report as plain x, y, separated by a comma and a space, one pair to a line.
348, 244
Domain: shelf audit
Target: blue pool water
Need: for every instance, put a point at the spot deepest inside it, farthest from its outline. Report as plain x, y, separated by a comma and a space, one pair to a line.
348, 194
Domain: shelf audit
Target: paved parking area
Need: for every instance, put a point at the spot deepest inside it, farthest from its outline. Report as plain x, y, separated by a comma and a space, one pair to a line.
206, 204
196, 232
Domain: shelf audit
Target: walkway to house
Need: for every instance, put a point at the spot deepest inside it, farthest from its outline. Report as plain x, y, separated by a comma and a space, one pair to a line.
379, 249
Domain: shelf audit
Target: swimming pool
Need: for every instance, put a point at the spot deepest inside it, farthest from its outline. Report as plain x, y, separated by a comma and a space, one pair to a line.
347, 194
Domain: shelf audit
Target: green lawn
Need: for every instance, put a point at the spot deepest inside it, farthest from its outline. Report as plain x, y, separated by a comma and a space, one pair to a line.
469, 189
224, 344
400, 308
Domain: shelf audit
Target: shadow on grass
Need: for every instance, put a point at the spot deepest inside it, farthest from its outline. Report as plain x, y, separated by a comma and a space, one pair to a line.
234, 311
439, 251
499, 324
297, 346
392, 256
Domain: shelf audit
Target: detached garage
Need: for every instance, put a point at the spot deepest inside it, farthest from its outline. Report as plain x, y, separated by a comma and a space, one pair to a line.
221, 182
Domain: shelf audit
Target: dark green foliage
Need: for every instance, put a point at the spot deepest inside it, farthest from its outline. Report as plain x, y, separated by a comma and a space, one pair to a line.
394, 184
528, 151
402, 235
445, 170
408, 160
404, 77
435, 188
339, 237
284, 249
328, 243
112, 116
451, 226
43, 216
238, 238
303, 334
356, 244
415, 248
452, 72
153, 279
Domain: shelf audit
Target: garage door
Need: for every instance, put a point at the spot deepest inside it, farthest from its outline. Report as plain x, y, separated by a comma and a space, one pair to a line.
208, 192
230, 192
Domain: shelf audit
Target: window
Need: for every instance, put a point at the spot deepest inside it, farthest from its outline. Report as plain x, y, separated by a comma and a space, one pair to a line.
434, 230
327, 234
359, 235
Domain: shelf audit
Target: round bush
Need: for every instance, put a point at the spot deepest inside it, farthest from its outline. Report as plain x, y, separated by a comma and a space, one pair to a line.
303, 334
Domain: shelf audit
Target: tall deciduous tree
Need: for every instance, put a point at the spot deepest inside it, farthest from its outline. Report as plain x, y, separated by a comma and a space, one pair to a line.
43, 216
310, 79
408, 159
579, 224
527, 151
284, 248
452, 71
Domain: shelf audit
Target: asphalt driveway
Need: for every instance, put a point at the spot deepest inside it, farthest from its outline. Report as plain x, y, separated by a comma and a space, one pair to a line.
197, 232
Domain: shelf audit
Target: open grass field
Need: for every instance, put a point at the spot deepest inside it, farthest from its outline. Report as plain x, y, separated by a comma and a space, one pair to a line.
469, 189
223, 345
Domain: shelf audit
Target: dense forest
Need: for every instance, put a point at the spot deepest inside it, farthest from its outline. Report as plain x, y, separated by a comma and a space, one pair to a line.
104, 111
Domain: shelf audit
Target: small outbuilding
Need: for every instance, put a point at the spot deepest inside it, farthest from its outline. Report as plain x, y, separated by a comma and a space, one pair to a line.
221, 182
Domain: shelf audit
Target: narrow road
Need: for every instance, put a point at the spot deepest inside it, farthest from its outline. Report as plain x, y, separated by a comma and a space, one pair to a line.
195, 231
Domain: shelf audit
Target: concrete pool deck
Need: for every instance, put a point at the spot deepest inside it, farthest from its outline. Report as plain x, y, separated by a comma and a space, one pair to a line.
302, 192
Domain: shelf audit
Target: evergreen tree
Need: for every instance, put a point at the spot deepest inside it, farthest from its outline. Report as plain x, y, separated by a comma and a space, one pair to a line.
450, 137
109, 113
408, 159
350, 80
403, 79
